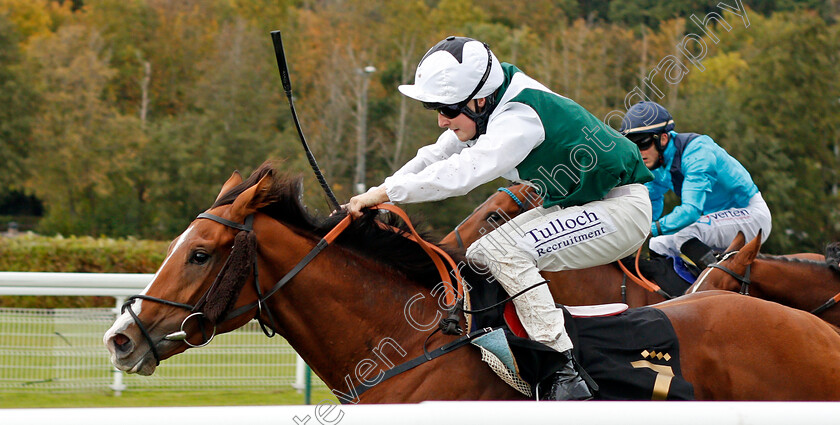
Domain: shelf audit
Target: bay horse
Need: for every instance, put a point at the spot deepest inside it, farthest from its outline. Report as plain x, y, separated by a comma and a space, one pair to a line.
805, 282
360, 307
595, 285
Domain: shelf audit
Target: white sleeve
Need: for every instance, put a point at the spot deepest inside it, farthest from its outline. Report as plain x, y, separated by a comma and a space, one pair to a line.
447, 145
512, 133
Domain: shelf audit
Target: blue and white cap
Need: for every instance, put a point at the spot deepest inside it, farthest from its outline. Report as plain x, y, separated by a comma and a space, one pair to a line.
646, 117
455, 70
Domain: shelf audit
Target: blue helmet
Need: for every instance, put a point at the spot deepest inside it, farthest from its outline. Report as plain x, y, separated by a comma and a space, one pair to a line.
646, 118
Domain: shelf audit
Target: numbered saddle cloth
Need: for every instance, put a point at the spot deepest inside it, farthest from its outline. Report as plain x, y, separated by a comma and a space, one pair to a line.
630, 356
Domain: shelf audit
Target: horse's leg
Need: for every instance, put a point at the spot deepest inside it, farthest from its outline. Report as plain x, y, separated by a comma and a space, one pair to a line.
741, 348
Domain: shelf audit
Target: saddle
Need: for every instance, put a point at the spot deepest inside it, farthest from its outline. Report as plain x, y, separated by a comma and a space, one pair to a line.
630, 355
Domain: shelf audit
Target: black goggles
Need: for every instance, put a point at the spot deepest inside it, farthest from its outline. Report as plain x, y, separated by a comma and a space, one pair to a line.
449, 111
643, 141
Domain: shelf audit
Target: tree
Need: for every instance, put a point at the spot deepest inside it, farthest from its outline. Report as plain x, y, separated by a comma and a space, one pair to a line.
19, 102
75, 133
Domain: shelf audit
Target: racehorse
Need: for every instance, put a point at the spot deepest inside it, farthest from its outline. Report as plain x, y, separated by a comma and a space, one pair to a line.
595, 285
354, 309
805, 283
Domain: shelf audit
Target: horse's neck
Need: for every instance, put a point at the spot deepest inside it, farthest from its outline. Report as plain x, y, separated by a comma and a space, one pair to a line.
345, 314
597, 285
800, 284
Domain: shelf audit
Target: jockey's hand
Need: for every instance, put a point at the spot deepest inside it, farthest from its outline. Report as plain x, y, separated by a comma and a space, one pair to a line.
364, 200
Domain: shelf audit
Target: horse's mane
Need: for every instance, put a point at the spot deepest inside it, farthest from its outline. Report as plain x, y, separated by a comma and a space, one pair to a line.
832, 256
363, 235
830, 262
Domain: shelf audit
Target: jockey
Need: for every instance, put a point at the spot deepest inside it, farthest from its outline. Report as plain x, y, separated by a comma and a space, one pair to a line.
501, 123
718, 196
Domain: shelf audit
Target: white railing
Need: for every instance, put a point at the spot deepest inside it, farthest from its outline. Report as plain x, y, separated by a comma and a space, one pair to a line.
61, 349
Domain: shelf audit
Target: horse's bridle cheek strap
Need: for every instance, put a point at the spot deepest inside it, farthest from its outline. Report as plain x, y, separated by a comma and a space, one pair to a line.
230, 289
743, 280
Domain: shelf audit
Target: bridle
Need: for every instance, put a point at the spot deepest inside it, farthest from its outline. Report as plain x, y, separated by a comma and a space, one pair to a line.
521, 205
195, 310
744, 280
452, 283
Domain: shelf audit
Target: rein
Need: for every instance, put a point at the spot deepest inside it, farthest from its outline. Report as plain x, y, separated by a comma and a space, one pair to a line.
453, 291
640, 280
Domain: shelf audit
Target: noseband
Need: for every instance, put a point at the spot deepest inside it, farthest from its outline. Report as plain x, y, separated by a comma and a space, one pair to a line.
501, 189
195, 310
259, 304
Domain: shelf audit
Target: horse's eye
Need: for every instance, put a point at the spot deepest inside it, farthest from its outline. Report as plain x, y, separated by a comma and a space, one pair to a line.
199, 257
494, 216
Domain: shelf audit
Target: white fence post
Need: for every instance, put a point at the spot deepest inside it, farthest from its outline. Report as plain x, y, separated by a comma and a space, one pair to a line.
118, 385
300, 374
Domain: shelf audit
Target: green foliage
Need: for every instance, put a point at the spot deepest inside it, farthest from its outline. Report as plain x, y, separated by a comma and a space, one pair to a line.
31, 253
124, 117
18, 108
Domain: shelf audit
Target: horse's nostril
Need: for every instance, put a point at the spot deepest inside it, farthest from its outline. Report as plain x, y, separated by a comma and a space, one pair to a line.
122, 343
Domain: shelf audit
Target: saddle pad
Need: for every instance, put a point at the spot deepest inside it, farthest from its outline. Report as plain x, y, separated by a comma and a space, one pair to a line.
496, 352
632, 356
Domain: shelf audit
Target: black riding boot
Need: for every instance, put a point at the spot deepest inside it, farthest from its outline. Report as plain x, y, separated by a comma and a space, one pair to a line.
699, 253
565, 384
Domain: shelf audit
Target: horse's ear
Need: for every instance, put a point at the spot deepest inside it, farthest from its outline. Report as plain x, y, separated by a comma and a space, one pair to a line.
737, 243
234, 180
252, 199
750, 250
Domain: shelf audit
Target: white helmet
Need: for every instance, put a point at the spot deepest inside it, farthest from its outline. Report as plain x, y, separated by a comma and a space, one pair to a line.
455, 71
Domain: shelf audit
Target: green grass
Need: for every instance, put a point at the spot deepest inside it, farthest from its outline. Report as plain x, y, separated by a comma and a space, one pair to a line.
161, 398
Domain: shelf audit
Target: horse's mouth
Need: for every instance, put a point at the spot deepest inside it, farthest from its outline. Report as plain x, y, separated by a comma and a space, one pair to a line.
134, 362
145, 365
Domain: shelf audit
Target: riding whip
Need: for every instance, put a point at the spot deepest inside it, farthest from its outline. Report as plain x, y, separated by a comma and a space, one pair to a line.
287, 87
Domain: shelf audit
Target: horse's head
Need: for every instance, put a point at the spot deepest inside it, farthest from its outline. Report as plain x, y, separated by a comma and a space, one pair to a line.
731, 272
503, 205
192, 294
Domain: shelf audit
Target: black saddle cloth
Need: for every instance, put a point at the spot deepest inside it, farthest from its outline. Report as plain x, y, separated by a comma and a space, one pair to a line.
631, 356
